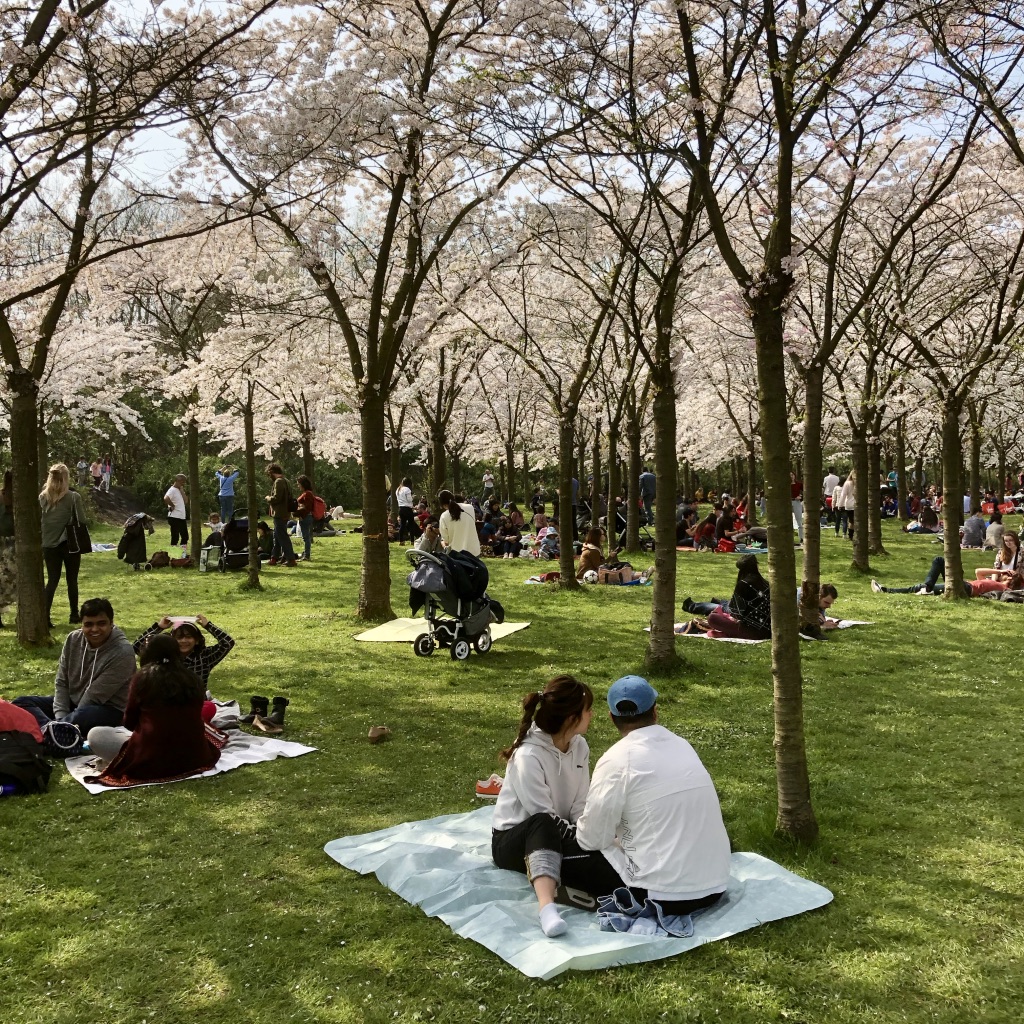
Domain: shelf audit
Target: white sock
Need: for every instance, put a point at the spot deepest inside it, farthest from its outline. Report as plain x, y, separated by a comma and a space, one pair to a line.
551, 921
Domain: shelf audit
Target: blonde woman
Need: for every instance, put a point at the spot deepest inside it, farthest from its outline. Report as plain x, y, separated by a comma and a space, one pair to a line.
58, 503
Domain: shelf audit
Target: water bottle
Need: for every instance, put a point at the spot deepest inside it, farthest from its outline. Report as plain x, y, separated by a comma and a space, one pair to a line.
8, 789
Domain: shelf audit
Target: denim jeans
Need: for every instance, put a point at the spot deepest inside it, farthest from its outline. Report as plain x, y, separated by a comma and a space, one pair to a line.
227, 506
929, 586
707, 607
55, 559
282, 550
306, 527
86, 717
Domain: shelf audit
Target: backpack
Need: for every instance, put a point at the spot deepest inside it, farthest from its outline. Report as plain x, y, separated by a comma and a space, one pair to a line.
725, 545
160, 560
319, 509
22, 763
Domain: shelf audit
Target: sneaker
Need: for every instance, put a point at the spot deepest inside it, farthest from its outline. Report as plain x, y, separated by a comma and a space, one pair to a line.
378, 734
273, 561
877, 587
488, 789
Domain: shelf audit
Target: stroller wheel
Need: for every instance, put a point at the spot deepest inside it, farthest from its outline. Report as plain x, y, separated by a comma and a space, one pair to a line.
460, 650
423, 645
147, 566
483, 642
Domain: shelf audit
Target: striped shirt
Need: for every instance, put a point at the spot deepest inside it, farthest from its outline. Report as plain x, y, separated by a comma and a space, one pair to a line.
202, 659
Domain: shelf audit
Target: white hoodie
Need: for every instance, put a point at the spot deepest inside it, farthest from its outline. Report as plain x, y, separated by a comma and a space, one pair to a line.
540, 779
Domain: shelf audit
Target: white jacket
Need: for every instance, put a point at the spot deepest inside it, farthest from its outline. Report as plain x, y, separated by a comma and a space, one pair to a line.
460, 535
654, 800
540, 779
848, 495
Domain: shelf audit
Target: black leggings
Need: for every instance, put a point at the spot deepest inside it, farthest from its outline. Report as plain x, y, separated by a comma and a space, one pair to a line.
55, 559
581, 869
408, 527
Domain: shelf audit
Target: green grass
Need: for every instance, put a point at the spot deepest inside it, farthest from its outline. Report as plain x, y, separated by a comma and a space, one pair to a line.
212, 901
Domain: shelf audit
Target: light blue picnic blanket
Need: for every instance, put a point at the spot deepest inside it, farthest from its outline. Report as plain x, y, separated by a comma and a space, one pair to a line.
443, 866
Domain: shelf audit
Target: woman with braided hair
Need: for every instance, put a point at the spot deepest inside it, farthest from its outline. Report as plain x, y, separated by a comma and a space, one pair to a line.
545, 788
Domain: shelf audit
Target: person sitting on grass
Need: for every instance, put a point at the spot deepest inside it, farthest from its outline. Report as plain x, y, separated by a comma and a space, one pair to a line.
994, 532
653, 807
1007, 562
196, 656
543, 794
972, 588
549, 542
927, 522
973, 535
704, 534
746, 615
591, 557
93, 675
164, 736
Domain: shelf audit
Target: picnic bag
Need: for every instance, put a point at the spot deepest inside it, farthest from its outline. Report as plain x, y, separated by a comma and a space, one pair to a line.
725, 545
181, 563
615, 573
22, 763
160, 560
79, 541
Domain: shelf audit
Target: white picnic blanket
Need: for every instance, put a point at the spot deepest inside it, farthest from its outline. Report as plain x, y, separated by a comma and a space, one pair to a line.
241, 749
406, 630
843, 624
443, 866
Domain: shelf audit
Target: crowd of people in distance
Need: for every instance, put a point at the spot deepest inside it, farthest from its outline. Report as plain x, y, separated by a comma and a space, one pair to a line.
96, 474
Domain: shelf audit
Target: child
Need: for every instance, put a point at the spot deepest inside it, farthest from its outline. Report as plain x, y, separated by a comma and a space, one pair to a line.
544, 792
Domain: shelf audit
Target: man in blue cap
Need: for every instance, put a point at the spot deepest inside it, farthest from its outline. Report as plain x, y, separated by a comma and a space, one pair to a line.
652, 809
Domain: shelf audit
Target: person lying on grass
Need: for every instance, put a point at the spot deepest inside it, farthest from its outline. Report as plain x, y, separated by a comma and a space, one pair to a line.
164, 736
198, 658
972, 588
745, 616
544, 792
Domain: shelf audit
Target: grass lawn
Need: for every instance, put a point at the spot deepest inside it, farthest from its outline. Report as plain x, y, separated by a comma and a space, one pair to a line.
212, 901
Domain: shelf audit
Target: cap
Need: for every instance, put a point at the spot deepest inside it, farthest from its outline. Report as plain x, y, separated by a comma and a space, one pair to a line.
635, 689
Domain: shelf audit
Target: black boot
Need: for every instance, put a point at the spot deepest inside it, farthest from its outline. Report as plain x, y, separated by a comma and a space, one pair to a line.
272, 724
257, 706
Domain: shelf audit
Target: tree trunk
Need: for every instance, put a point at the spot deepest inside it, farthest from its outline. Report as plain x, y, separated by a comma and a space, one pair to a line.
510, 463
1001, 481
456, 474
919, 475
307, 456
438, 462
28, 550
975, 465
874, 508
795, 812
396, 471
375, 570
952, 503
751, 486
661, 646
597, 472
734, 467
252, 500
526, 480
859, 449
195, 491
501, 479
613, 482
43, 453
901, 469
812, 479
633, 487
566, 468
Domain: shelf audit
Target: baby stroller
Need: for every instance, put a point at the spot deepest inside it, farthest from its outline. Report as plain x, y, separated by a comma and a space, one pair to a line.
234, 553
451, 588
131, 548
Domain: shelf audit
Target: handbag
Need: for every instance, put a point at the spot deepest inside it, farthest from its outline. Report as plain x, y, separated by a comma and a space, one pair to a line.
79, 541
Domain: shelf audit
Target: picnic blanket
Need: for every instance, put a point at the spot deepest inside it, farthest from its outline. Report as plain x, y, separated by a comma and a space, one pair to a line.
406, 630
679, 626
443, 866
241, 749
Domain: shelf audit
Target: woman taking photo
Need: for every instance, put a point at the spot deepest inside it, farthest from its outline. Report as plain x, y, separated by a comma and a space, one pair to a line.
457, 525
59, 505
164, 737
543, 795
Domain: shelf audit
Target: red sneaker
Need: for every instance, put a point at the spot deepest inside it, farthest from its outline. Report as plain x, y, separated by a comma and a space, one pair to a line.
488, 789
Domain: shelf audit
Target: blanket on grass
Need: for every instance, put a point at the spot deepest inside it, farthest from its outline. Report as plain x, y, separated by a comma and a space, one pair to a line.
241, 749
406, 630
443, 866
680, 626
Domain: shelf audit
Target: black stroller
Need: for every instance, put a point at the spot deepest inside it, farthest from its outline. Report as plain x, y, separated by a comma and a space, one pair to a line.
131, 548
458, 613
234, 552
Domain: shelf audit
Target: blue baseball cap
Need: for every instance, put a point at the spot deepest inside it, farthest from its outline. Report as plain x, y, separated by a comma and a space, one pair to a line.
635, 689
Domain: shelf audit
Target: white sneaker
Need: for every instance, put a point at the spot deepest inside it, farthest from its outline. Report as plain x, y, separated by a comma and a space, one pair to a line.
876, 587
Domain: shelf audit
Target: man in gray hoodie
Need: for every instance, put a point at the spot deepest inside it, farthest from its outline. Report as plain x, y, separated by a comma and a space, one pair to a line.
96, 666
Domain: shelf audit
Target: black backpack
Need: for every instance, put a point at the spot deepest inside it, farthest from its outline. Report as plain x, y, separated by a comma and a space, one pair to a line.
22, 763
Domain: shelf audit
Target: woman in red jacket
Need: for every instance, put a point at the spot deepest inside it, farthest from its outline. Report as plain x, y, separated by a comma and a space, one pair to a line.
164, 737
